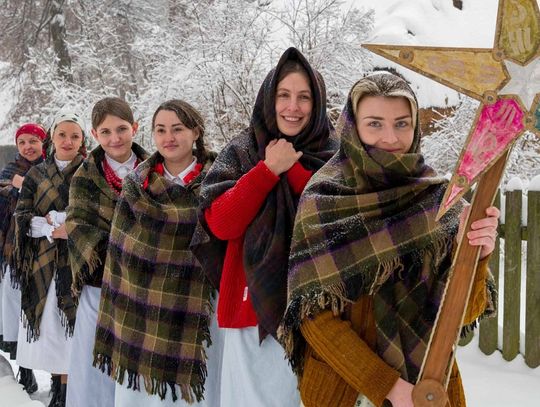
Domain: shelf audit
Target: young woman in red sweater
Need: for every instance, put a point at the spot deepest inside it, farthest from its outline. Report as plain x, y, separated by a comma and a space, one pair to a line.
248, 203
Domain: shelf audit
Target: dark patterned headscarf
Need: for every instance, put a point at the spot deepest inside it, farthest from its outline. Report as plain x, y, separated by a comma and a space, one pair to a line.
268, 236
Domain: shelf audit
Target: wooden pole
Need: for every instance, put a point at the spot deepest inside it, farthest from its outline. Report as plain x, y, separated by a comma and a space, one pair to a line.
430, 389
489, 327
532, 305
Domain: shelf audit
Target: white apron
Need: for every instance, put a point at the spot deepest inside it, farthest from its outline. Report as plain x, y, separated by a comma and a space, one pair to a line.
253, 375
11, 309
87, 385
51, 352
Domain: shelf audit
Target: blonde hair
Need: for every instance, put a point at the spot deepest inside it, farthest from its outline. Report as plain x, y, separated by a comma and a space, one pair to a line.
383, 83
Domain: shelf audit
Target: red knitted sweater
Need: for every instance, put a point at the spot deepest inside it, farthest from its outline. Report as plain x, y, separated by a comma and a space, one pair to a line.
228, 218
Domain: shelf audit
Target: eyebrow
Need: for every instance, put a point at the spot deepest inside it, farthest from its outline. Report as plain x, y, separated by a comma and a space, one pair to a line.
288, 90
382, 118
175, 124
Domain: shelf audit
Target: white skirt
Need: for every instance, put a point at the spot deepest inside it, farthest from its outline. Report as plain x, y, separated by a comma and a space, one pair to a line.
87, 385
1, 322
11, 309
51, 352
125, 397
256, 376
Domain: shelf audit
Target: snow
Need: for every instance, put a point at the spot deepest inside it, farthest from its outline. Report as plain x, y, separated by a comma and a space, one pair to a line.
494, 382
534, 184
13, 395
515, 184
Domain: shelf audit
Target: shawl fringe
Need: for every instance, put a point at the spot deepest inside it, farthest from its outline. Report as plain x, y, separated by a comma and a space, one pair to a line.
85, 275
189, 392
336, 297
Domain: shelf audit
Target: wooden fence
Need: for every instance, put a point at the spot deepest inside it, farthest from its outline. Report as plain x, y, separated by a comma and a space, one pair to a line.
509, 242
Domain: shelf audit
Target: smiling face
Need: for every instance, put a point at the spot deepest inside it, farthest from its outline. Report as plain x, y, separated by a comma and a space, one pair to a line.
294, 103
173, 139
67, 139
115, 136
385, 123
29, 146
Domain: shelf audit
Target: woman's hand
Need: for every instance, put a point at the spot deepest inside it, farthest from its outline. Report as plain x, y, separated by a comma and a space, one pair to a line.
17, 181
60, 232
483, 232
280, 156
401, 394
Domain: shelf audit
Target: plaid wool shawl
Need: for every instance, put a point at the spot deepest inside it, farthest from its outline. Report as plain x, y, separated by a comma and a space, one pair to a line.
8, 201
366, 226
45, 188
155, 301
268, 236
89, 215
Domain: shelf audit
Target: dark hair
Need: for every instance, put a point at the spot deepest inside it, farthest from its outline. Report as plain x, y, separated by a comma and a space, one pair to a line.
111, 106
191, 118
292, 66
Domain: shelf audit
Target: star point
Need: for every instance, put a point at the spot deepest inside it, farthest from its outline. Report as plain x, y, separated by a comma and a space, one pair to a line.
524, 81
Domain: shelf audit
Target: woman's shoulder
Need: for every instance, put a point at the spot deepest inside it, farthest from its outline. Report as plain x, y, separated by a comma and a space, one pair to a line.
242, 142
331, 173
38, 171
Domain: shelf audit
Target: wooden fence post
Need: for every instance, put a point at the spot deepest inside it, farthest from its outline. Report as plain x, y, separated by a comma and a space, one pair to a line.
532, 310
512, 274
489, 327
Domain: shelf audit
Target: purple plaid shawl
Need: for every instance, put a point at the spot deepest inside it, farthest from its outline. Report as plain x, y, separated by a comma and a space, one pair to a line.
268, 236
366, 226
155, 300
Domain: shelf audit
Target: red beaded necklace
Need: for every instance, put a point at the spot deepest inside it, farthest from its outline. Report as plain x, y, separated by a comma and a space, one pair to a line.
114, 181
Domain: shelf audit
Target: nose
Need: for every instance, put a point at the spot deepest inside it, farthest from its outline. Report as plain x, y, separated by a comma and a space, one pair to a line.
115, 136
293, 104
389, 136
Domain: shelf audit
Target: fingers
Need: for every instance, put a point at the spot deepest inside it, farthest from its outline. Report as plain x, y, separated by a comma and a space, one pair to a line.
298, 155
490, 221
272, 143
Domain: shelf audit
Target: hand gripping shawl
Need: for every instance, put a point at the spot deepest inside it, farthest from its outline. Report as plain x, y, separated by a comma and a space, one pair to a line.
8, 200
366, 225
45, 188
268, 236
89, 215
155, 302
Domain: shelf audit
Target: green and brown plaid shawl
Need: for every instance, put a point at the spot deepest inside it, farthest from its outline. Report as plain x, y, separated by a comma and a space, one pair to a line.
155, 301
366, 225
8, 201
45, 188
268, 236
89, 215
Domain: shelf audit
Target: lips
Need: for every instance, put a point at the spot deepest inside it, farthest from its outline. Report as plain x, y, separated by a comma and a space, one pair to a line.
292, 119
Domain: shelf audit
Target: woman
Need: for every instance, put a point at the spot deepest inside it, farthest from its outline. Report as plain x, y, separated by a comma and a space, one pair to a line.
29, 140
41, 256
154, 323
93, 194
369, 263
249, 202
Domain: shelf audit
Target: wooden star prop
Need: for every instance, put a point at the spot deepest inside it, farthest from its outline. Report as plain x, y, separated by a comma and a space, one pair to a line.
506, 81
